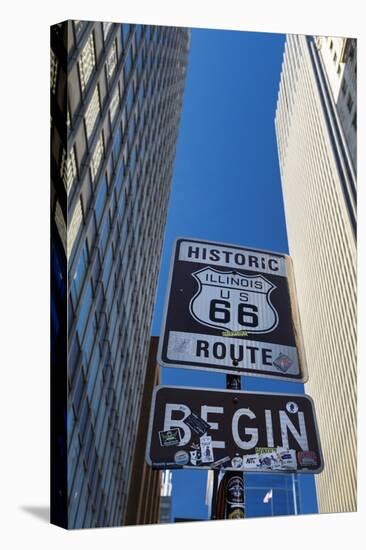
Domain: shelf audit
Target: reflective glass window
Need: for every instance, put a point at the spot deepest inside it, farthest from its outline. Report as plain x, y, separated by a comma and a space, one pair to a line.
92, 112
117, 142
97, 157
111, 62
78, 278
89, 340
104, 236
114, 105
92, 374
108, 261
84, 311
68, 169
106, 28
101, 200
125, 27
128, 64
119, 177
87, 62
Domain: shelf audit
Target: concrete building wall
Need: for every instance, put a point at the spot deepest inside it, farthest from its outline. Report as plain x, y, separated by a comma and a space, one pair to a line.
319, 197
339, 59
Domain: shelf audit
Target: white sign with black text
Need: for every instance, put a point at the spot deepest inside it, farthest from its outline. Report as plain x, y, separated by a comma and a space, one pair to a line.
232, 309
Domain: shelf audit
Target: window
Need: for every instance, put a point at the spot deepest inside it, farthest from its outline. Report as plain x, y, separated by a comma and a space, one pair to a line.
331, 44
79, 275
349, 103
89, 339
53, 77
147, 34
140, 97
335, 57
79, 28
117, 142
97, 157
92, 374
114, 106
111, 63
139, 63
138, 30
106, 28
107, 263
125, 32
84, 311
68, 169
104, 236
119, 177
87, 62
128, 64
92, 112
129, 99
339, 70
74, 356
132, 160
73, 228
101, 200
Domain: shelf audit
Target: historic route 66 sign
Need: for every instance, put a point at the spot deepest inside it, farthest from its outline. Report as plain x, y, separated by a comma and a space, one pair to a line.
233, 310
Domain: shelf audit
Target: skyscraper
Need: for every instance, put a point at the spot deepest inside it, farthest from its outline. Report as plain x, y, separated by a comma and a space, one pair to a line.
144, 494
339, 60
316, 135
116, 97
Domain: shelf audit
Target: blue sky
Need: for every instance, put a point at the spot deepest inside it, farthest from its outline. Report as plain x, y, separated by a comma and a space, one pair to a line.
226, 187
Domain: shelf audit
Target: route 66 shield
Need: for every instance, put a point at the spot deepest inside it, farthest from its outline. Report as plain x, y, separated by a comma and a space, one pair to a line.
232, 309
233, 301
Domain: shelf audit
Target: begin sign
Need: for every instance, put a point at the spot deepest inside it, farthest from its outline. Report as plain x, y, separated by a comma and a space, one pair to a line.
233, 310
256, 432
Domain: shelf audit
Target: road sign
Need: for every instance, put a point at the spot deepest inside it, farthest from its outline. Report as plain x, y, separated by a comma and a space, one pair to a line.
233, 310
251, 432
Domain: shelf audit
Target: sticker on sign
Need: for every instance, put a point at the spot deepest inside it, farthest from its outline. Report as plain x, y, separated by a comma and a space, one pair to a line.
231, 309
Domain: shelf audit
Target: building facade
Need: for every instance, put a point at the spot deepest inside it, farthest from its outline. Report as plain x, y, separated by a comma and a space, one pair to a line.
264, 495
339, 60
319, 190
144, 495
116, 97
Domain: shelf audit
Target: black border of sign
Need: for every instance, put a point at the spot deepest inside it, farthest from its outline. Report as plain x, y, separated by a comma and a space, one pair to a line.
303, 378
284, 472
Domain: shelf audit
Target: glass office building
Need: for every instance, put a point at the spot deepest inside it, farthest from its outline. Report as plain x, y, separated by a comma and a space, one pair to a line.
272, 495
116, 97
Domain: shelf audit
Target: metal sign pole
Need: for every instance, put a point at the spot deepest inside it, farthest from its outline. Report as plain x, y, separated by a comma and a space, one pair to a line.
215, 490
218, 294
234, 481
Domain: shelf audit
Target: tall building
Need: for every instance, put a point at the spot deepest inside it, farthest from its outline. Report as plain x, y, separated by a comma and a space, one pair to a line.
339, 60
316, 159
116, 97
272, 495
144, 495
